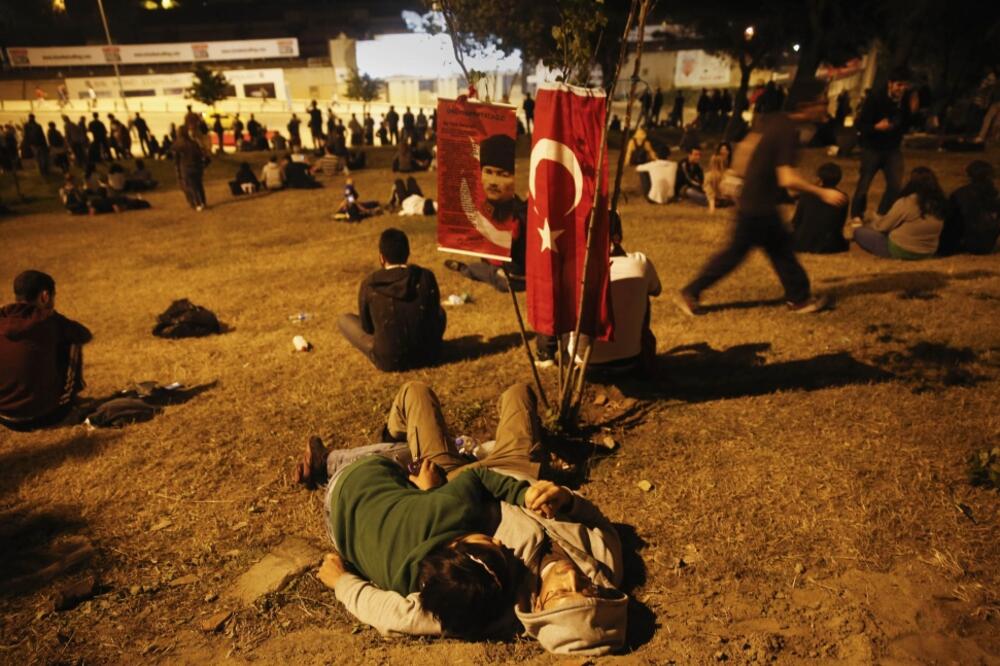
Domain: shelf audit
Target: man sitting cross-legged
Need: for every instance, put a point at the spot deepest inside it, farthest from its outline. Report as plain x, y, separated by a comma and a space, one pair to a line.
400, 322
41, 356
481, 558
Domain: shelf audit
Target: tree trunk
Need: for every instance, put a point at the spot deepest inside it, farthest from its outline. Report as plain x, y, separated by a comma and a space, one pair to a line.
810, 57
740, 103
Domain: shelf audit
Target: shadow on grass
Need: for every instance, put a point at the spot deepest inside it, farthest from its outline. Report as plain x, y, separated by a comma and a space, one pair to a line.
699, 373
39, 545
910, 284
933, 365
20, 464
641, 619
471, 347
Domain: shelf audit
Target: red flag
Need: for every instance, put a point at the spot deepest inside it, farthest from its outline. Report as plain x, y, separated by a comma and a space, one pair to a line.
563, 180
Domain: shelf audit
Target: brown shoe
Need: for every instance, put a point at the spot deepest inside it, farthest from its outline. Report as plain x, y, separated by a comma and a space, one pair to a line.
311, 470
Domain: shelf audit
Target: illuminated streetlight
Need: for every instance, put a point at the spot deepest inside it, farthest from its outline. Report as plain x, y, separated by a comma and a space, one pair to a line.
748, 33
59, 6
796, 47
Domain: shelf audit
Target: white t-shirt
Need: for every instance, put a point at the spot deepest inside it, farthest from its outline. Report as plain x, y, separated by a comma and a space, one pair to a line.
663, 176
633, 280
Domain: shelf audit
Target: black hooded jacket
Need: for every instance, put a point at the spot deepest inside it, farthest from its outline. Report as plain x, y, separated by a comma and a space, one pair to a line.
401, 307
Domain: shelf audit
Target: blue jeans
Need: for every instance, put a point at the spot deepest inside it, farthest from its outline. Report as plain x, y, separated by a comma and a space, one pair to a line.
873, 242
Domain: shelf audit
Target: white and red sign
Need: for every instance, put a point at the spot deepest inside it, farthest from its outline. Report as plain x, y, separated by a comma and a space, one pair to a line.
563, 181
148, 54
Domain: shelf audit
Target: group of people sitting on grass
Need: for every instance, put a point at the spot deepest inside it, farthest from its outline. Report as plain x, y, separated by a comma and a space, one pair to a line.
106, 192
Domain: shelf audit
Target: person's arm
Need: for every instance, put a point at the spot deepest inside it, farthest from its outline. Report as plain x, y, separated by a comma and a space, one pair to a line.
895, 217
367, 325
389, 612
790, 178
500, 486
654, 287
797, 217
73, 332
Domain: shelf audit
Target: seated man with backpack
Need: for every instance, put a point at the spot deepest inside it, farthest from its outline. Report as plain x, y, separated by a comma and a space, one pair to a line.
400, 322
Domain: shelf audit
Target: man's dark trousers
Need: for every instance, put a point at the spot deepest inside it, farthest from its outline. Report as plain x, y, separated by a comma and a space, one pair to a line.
767, 232
890, 163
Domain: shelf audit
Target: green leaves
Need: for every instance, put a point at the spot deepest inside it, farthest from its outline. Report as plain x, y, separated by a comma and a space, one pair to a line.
208, 87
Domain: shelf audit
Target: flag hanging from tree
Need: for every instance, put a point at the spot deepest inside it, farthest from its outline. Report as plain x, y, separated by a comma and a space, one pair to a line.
477, 205
563, 180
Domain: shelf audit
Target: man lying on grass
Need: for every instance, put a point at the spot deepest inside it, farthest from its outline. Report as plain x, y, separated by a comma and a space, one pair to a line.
467, 548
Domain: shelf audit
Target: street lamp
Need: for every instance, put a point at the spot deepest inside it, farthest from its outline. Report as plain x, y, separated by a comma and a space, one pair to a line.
748, 33
796, 47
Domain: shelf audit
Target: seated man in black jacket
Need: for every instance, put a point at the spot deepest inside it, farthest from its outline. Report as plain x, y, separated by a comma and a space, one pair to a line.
691, 179
818, 226
400, 322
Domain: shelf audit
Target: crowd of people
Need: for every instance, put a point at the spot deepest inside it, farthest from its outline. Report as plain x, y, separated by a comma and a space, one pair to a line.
434, 540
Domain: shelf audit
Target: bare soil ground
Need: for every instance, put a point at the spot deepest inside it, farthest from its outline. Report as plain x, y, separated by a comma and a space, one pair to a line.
809, 499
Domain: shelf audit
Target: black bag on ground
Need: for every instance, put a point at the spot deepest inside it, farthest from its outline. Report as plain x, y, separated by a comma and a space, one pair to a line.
184, 319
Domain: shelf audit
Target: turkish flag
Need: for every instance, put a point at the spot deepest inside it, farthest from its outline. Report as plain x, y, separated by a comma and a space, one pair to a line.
563, 180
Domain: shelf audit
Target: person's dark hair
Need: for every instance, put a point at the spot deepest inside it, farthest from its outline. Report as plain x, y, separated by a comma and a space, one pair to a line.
615, 228
925, 185
394, 246
981, 173
429, 207
829, 174
29, 284
466, 586
273, 158
139, 164
115, 168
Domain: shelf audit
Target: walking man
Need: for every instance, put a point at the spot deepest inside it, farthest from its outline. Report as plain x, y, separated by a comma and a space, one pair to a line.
769, 156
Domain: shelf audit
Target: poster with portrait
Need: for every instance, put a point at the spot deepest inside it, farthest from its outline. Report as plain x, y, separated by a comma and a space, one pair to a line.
477, 205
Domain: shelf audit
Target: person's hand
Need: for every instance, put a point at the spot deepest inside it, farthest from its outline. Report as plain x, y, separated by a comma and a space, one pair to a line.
883, 125
833, 197
547, 498
331, 570
429, 477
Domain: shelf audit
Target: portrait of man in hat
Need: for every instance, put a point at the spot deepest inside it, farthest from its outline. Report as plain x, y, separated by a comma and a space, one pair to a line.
496, 166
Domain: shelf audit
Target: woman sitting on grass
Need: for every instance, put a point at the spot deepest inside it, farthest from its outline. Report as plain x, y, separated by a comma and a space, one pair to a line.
912, 227
973, 221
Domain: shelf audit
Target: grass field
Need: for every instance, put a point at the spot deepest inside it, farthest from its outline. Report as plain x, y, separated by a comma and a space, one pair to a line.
809, 502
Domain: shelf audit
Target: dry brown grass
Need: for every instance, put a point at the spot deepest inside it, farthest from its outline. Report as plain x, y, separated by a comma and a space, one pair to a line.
816, 463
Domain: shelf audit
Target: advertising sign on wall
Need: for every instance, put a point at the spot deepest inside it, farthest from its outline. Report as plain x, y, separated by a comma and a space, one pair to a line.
147, 54
697, 69
255, 83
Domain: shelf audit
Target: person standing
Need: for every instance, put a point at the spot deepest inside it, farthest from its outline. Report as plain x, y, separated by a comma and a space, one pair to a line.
529, 112
392, 121
657, 105
421, 125
189, 160
57, 148
99, 134
33, 139
237, 133
220, 132
677, 113
882, 122
409, 125
76, 139
142, 131
369, 129
254, 130
703, 108
316, 125
769, 155
295, 132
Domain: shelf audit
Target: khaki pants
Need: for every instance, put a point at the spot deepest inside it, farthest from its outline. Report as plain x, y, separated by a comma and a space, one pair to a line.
416, 413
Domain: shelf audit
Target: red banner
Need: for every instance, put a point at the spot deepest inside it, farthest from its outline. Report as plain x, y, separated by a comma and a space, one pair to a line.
563, 180
476, 199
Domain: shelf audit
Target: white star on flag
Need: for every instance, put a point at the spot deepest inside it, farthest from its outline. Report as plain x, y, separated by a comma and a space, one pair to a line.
549, 237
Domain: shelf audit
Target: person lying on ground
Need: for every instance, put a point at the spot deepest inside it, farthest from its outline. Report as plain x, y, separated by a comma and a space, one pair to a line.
41, 356
141, 179
245, 182
691, 179
548, 561
272, 175
912, 227
972, 223
352, 209
409, 199
400, 321
818, 226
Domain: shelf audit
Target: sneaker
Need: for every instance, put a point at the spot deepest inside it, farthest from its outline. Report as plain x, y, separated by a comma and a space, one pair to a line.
543, 363
687, 303
199, 208
453, 265
810, 305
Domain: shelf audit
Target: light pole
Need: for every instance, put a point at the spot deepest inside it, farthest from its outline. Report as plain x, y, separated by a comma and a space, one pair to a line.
114, 63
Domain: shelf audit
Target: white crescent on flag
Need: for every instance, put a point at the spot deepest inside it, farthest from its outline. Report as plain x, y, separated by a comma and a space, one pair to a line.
496, 236
548, 149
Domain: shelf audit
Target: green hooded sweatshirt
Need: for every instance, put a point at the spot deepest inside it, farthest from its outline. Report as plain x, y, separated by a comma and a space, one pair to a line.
384, 525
